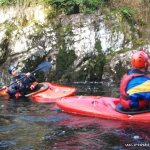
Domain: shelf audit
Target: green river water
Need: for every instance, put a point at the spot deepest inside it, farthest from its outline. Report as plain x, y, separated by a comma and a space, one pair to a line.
30, 126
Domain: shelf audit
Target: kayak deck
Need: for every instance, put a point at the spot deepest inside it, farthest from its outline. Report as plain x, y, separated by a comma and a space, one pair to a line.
97, 106
39, 88
52, 93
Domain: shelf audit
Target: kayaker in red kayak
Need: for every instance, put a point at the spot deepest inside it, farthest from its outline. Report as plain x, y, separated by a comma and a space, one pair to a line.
135, 85
21, 82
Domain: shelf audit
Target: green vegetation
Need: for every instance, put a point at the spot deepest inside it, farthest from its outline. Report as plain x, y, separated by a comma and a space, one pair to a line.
75, 6
128, 13
10, 2
82, 6
138, 42
120, 71
4, 50
6, 2
113, 53
65, 56
51, 13
64, 62
100, 60
63, 6
10, 28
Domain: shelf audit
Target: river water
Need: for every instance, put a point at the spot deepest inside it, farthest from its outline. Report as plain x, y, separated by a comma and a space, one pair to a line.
30, 126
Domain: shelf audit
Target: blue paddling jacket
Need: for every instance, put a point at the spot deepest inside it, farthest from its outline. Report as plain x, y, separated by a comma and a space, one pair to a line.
135, 91
21, 85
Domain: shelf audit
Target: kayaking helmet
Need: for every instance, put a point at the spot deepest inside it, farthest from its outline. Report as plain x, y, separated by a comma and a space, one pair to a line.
11, 68
140, 60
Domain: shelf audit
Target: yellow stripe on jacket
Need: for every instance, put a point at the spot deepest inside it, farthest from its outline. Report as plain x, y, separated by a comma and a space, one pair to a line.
144, 87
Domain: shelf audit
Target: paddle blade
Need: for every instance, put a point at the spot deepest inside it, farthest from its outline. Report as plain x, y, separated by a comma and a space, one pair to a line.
43, 67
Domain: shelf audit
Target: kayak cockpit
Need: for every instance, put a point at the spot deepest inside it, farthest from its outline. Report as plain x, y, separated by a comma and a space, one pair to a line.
120, 109
39, 88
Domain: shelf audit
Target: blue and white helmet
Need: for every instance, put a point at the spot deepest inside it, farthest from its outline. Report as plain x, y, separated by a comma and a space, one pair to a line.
11, 68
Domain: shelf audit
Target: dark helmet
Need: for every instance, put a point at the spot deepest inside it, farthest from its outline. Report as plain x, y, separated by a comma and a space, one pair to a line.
11, 68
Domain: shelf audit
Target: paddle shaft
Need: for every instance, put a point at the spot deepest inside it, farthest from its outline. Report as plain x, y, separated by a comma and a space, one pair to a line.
40, 67
25, 76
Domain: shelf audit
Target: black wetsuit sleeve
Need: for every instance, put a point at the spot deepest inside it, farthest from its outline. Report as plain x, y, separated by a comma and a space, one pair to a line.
32, 78
13, 89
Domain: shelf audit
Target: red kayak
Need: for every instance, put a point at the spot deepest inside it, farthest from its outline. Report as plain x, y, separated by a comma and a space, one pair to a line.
4, 94
46, 93
50, 92
103, 107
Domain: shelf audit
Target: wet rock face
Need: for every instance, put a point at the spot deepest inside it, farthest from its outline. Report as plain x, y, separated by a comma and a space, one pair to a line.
3, 51
76, 44
19, 46
4, 43
119, 65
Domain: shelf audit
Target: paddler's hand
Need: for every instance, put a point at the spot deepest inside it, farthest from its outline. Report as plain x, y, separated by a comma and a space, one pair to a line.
28, 74
6, 88
32, 87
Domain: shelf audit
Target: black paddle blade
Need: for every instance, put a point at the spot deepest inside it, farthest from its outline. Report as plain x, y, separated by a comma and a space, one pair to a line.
43, 67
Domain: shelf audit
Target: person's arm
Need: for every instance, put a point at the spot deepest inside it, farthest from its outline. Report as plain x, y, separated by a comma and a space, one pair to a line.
13, 89
138, 96
134, 100
31, 77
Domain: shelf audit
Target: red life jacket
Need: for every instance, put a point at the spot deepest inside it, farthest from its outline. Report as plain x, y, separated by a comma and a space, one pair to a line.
124, 98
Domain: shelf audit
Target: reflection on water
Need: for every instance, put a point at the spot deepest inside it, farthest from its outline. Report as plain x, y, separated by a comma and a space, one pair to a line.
30, 126
97, 88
